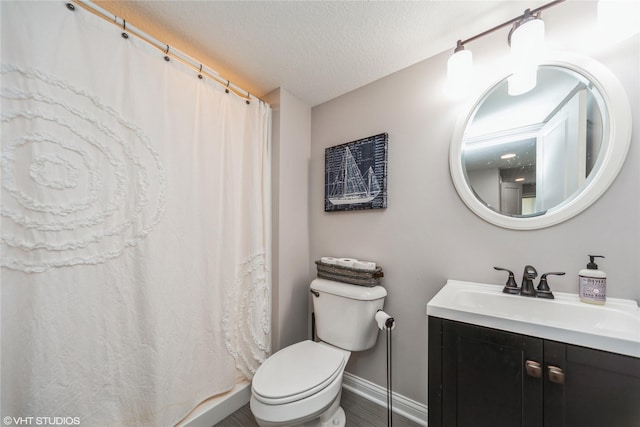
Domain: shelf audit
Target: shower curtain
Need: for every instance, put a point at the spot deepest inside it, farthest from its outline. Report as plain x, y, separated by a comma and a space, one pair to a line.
134, 226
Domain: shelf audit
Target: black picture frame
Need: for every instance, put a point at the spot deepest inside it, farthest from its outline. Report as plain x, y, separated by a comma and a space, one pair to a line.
355, 175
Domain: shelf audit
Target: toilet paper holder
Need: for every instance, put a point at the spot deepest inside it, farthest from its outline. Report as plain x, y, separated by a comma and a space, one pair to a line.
384, 320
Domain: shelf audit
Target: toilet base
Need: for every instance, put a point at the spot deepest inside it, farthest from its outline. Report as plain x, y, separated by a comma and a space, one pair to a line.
339, 419
333, 416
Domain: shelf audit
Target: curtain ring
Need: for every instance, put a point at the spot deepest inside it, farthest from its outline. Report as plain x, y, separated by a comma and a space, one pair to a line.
248, 100
227, 88
166, 56
124, 28
200, 72
71, 6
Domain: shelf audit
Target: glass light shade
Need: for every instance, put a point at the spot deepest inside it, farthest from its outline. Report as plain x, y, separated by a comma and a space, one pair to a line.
527, 49
618, 19
459, 73
527, 44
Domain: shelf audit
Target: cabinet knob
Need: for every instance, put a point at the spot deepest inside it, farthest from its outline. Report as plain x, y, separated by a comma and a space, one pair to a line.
533, 368
556, 375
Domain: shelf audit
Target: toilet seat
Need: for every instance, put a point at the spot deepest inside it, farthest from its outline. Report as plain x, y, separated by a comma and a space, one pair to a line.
296, 372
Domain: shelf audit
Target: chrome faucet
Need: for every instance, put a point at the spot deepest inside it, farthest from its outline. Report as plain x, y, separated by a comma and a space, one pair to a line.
528, 289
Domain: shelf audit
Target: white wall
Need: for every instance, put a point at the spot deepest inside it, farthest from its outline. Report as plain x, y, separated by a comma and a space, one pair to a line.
290, 221
427, 235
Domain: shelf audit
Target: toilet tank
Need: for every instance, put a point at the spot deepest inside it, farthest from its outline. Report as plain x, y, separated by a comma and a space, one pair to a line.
345, 313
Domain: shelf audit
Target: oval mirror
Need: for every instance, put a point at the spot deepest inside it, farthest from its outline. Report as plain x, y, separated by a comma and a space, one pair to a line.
534, 160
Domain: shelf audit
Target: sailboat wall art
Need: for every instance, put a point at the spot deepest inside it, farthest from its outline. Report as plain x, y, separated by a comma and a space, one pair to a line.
356, 174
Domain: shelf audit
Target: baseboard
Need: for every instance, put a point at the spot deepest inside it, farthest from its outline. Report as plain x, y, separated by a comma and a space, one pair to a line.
211, 414
410, 409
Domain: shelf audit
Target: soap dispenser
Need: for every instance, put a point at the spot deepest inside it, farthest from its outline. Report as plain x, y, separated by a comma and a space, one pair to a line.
592, 283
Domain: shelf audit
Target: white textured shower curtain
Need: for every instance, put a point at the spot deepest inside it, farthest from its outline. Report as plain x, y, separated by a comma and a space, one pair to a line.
134, 226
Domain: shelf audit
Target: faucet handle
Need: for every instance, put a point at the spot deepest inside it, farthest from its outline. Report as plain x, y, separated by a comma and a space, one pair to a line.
511, 287
543, 287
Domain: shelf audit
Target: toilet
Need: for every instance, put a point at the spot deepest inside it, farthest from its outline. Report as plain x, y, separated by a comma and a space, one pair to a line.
301, 385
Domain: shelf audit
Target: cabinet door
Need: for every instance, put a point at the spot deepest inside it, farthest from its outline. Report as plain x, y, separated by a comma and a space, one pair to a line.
597, 388
485, 381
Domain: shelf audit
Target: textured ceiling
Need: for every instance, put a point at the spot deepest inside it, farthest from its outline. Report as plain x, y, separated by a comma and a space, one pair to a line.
317, 50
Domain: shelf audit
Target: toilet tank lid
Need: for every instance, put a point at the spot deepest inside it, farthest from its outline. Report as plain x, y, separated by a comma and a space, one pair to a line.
347, 290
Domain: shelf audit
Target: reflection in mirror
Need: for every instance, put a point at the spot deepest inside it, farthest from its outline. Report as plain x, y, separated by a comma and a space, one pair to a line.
527, 154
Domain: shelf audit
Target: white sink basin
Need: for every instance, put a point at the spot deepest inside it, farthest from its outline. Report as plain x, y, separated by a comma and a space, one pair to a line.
613, 327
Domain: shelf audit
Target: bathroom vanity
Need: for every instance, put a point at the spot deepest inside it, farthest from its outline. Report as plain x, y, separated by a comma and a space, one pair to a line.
508, 360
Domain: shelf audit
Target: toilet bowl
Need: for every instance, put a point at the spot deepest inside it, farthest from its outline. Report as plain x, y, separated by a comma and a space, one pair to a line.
300, 385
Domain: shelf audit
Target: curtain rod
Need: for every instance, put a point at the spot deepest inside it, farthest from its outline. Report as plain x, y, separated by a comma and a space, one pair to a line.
509, 22
168, 51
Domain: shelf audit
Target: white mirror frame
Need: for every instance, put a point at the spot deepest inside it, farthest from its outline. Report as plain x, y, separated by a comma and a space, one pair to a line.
616, 139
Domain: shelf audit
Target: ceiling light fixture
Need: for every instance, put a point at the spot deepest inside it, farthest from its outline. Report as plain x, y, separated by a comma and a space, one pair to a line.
526, 39
459, 71
527, 47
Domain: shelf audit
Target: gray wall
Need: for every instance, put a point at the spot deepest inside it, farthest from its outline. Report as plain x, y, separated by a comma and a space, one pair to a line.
290, 217
427, 235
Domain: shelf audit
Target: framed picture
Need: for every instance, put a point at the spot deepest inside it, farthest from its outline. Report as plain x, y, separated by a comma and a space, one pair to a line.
355, 174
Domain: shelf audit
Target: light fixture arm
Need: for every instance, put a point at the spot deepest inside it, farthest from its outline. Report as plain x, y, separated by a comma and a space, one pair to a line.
528, 14
526, 17
460, 64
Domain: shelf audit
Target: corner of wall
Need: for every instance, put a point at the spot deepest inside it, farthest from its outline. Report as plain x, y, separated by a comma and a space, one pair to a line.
273, 98
291, 152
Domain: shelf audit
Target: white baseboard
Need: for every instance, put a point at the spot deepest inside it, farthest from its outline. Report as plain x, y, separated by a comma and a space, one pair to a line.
410, 409
213, 412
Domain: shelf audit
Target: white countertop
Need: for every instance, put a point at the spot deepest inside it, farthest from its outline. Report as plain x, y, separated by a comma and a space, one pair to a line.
614, 326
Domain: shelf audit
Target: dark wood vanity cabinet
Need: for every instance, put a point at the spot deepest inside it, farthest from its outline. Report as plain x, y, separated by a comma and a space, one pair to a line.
486, 377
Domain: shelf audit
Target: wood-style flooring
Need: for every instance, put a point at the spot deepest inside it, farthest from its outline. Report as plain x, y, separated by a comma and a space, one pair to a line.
360, 412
